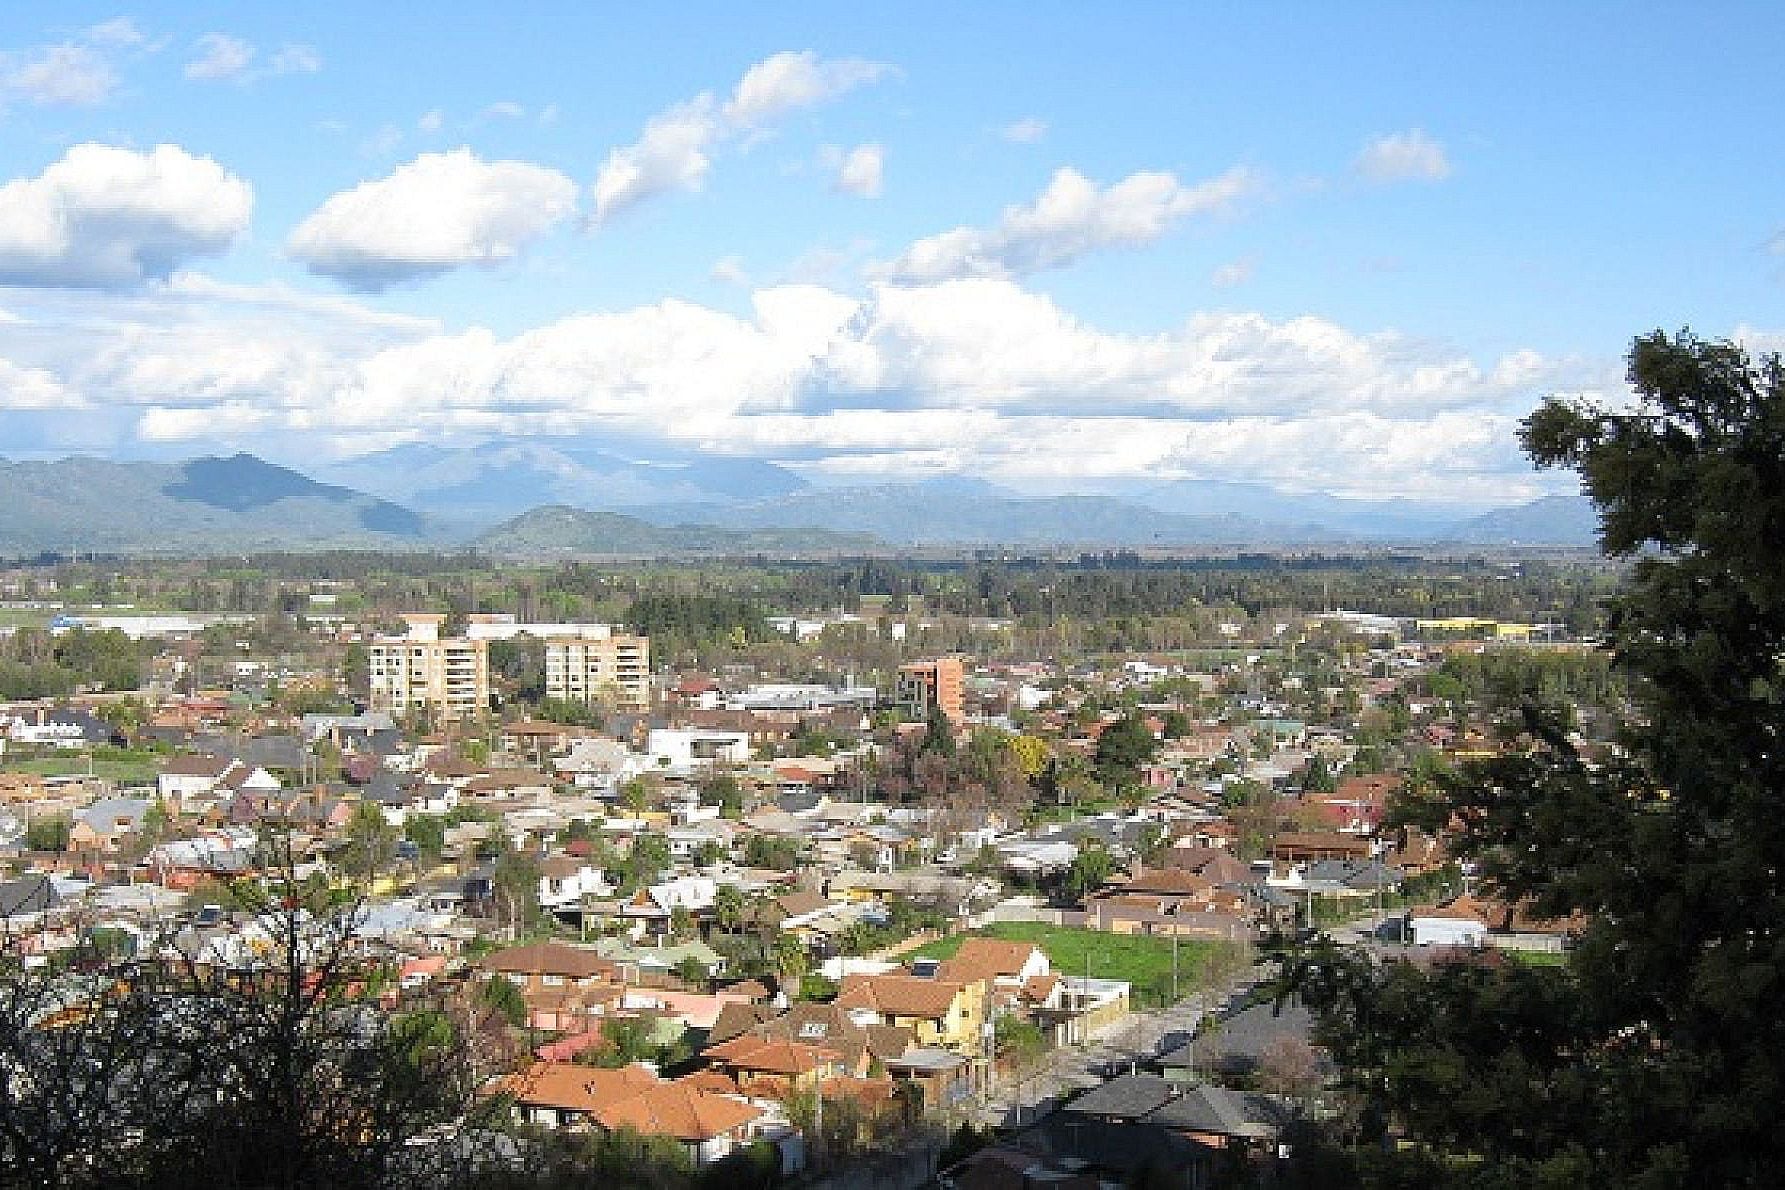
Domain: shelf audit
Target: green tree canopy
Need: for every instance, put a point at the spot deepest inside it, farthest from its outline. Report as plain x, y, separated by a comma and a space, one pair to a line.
1655, 1056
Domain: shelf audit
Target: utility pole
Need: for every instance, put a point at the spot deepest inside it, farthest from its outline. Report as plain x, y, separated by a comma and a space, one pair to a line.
1174, 964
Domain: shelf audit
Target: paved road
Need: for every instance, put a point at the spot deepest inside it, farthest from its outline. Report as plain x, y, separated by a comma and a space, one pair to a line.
1119, 1049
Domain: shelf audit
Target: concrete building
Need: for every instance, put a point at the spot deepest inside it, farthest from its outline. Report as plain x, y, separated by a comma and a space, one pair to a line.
923, 684
602, 665
421, 670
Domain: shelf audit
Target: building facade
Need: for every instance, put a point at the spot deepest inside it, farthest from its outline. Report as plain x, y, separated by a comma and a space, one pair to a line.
421, 670
940, 683
610, 667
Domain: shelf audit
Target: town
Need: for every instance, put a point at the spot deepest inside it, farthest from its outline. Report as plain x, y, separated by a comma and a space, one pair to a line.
987, 875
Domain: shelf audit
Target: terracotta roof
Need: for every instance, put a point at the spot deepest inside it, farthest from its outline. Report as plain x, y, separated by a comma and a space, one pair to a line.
899, 995
980, 960
1037, 988
1170, 881
549, 958
771, 1056
679, 1109
570, 1087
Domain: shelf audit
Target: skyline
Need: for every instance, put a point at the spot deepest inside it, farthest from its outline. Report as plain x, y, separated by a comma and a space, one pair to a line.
1339, 252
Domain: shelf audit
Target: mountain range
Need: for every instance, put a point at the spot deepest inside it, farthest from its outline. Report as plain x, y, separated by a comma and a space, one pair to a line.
525, 499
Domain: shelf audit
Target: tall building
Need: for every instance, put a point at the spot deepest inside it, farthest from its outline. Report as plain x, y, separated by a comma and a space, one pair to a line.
600, 666
421, 670
923, 684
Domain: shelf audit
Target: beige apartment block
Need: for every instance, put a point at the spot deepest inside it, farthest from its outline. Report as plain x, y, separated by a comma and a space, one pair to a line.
610, 668
422, 671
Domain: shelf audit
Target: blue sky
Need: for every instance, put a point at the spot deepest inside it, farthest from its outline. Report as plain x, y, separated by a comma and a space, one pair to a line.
1331, 247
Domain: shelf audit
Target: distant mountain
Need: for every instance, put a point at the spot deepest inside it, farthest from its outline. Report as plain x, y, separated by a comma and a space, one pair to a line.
1376, 520
962, 511
485, 483
560, 531
1551, 520
208, 505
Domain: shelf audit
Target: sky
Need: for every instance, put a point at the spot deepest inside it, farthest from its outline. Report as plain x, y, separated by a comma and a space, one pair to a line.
1331, 248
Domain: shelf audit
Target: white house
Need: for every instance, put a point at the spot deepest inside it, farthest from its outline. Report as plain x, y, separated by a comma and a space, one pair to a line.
680, 749
1434, 926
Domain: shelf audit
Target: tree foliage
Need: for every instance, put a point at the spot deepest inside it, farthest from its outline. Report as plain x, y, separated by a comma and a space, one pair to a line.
1656, 1055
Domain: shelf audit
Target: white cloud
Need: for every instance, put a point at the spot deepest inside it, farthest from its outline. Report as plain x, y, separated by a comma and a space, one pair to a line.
671, 155
296, 59
58, 76
431, 121
32, 388
436, 213
1072, 217
119, 32
729, 270
974, 375
1027, 131
382, 142
502, 109
675, 150
220, 57
860, 171
791, 79
1234, 272
1410, 156
104, 216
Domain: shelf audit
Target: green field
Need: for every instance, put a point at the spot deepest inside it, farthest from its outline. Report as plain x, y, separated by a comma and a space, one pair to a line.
1143, 961
118, 771
1538, 958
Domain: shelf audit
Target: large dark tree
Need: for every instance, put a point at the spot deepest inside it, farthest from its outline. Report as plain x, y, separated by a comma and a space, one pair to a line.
1656, 1056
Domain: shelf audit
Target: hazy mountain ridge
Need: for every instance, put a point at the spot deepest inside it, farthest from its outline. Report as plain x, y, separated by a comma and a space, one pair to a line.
557, 529
203, 505
243, 503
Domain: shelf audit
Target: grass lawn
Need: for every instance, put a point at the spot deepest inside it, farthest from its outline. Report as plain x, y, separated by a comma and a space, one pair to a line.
1538, 958
117, 771
1142, 961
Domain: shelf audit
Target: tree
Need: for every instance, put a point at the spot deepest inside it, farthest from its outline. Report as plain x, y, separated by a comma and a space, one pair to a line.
371, 842
938, 733
1122, 748
1091, 867
1647, 1060
516, 881
48, 834
693, 972
728, 907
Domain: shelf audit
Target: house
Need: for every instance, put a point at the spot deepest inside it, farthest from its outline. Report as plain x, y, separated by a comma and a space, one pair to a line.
564, 881
549, 965
187, 781
1003, 967
105, 824
858, 1046
1462, 922
938, 1012
707, 1122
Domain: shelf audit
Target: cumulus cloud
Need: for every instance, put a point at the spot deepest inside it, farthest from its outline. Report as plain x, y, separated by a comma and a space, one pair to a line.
58, 76
860, 171
436, 213
792, 79
224, 57
1234, 272
104, 216
675, 150
296, 59
729, 270
32, 388
220, 57
1027, 131
1072, 217
1410, 156
976, 375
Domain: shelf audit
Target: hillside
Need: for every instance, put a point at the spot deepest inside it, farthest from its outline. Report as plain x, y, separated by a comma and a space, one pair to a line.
208, 505
561, 531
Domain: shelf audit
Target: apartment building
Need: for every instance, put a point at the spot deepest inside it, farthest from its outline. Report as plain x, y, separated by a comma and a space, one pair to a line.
938, 683
421, 670
599, 665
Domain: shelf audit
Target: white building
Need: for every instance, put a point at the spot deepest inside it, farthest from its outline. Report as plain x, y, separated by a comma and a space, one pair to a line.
681, 749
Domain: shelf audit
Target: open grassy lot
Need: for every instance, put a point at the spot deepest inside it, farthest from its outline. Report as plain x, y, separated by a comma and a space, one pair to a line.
1144, 962
122, 768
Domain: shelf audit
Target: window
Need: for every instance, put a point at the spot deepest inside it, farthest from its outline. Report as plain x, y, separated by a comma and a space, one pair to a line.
812, 1029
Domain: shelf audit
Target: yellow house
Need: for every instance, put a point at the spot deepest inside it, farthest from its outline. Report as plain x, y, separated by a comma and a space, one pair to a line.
938, 1012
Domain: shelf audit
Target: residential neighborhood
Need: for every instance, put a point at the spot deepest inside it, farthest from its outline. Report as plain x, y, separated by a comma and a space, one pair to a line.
747, 906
